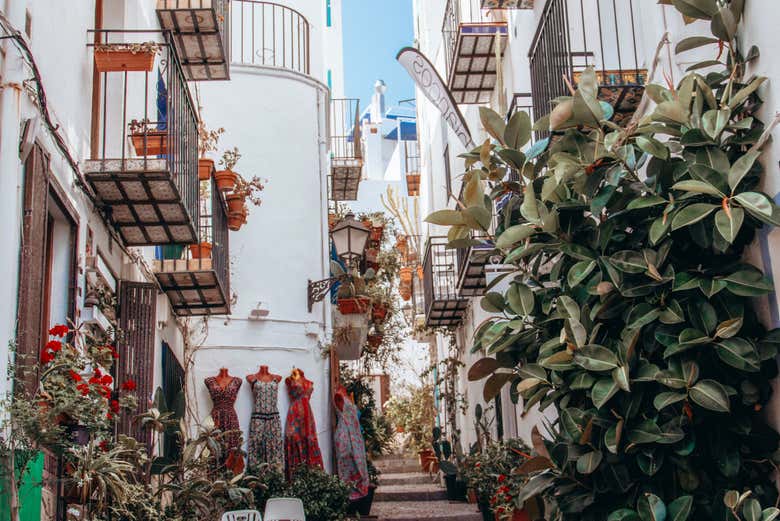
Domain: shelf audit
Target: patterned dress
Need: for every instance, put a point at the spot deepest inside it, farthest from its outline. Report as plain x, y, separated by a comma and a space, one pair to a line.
265, 429
223, 413
351, 450
300, 434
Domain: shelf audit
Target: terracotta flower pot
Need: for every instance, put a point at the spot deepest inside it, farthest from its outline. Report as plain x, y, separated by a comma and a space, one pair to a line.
200, 251
205, 168
235, 203
354, 306
226, 180
236, 220
406, 275
121, 60
379, 312
413, 185
150, 143
405, 289
376, 233
333, 220
371, 255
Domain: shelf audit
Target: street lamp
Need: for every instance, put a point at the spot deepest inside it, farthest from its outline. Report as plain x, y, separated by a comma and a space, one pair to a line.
349, 240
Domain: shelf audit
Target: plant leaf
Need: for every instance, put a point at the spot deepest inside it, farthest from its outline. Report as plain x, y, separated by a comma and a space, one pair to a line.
710, 395
493, 123
691, 214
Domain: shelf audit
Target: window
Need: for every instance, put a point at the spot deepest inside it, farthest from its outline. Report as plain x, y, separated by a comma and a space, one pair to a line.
47, 280
173, 391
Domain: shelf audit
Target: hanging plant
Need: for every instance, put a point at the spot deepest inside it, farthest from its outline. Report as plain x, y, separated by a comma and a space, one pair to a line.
631, 312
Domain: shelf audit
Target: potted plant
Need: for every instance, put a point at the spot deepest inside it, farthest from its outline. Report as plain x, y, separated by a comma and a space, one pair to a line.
201, 250
147, 140
348, 341
226, 178
126, 57
207, 142
413, 184
237, 219
351, 295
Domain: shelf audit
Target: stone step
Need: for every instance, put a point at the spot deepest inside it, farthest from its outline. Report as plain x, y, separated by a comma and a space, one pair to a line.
410, 478
410, 492
396, 461
399, 468
420, 511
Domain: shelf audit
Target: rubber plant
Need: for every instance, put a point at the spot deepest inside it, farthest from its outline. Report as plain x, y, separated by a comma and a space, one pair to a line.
631, 310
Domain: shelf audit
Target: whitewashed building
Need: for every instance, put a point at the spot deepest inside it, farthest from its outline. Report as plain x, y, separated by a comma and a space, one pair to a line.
101, 198
513, 59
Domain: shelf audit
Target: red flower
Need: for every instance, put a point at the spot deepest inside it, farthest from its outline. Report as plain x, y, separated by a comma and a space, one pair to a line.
46, 356
129, 385
59, 330
114, 406
109, 416
106, 380
104, 391
74, 376
103, 445
84, 388
54, 345
501, 478
114, 353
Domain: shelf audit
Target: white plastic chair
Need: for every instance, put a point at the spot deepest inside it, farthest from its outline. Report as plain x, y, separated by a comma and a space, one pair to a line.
284, 509
242, 515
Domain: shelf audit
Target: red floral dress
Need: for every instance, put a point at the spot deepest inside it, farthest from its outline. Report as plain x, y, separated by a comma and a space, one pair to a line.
224, 412
351, 450
300, 434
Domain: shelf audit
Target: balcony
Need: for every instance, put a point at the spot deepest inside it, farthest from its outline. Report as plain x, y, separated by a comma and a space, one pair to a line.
346, 150
269, 35
412, 167
471, 268
443, 305
144, 164
507, 4
575, 34
473, 38
197, 279
200, 30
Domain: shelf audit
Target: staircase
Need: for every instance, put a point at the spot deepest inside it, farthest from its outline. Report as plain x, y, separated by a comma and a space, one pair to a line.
407, 494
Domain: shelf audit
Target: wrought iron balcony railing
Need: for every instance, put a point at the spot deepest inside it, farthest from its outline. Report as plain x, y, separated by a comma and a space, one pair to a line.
575, 34
474, 41
201, 32
443, 304
270, 34
197, 280
144, 169
346, 149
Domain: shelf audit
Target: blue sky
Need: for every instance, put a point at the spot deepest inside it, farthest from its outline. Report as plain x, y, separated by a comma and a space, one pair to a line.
374, 32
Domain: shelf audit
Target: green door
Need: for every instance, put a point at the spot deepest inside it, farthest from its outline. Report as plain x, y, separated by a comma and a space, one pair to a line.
29, 492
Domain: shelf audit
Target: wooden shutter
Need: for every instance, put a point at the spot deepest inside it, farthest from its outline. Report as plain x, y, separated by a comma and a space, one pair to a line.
137, 316
31, 331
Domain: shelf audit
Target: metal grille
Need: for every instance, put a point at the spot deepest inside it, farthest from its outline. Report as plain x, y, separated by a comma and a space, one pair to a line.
443, 304
265, 33
575, 34
455, 13
173, 389
345, 129
412, 155
137, 315
30, 327
215, 228
146, 172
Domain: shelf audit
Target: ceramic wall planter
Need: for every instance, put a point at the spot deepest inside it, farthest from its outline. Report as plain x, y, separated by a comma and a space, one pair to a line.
124, 60
201, 251
150, 143
354, 306
205, 168
226, 180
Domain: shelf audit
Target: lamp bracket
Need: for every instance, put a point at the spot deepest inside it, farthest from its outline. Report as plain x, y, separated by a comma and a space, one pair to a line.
318, 289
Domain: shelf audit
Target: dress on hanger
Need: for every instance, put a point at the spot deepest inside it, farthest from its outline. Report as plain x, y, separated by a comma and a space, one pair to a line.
351, 450
300, 433
265, 430
224, 412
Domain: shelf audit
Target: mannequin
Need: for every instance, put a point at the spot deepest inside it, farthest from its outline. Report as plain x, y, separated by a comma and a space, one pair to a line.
223, 390
263, 375
266, 445
349, 445
300, 440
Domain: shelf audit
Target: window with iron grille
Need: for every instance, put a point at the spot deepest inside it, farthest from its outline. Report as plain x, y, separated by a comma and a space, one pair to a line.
173, 391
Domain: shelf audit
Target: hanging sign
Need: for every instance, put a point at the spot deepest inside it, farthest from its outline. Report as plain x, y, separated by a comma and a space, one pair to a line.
428, 80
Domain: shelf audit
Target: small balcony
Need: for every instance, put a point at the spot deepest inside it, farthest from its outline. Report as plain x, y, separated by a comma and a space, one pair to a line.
197, 278
507, 4
346, 150
144, 164
443, 304
412, 167
575, 34
200, 30
473, 39
471, 268
267, 34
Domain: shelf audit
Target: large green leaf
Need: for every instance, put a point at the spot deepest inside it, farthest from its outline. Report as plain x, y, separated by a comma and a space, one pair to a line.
651, 508
596, 358
756, 203
588, 463
653, 147
624, 514
741, 167
521, 299
493, 124
694, 42
691, 214
729, 224
602, 391
518, 131
680, 509
482, 368
645, 432
703, 9
445, 218
711, 395
739, 353
580, 272
513, 235
699, 187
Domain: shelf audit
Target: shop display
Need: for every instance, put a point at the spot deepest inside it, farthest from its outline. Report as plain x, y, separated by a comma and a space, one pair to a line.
350, 446
266, 444
223, 390
300, 435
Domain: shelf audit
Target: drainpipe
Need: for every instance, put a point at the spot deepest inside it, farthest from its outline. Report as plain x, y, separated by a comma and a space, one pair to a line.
11, 99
